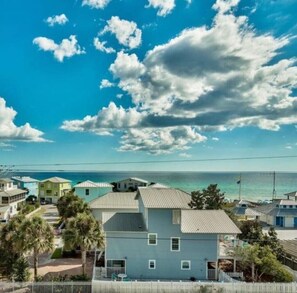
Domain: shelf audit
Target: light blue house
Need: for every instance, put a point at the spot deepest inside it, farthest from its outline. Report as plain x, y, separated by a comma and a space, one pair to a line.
28, 183
89, 190
165, 239
281, 212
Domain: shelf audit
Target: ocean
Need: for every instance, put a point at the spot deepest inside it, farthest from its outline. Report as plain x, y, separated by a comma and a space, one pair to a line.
254, 185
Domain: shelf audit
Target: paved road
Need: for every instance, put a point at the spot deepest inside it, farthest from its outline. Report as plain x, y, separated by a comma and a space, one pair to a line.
51, 215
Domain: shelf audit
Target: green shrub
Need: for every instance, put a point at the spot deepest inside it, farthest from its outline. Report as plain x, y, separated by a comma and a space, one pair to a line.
57, 253
80, 278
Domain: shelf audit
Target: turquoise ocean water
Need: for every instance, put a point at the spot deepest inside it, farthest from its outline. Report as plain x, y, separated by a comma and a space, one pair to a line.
254, 185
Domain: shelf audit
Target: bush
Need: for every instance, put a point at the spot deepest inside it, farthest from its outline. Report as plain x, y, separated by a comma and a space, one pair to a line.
80, 278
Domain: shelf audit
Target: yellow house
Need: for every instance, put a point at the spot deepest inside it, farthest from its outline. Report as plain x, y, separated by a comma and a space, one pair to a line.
50, 190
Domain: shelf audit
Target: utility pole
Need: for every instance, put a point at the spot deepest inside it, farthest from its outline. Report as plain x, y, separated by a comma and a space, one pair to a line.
273, 191
239, 189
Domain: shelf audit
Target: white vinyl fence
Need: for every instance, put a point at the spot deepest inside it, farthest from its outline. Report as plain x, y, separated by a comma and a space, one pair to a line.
147, 287
191, 287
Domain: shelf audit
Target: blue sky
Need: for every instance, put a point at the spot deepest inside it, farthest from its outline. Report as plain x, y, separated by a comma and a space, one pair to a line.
124, 80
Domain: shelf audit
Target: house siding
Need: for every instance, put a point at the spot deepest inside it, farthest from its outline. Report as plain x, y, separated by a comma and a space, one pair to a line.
94, 192
53, 191
134, 248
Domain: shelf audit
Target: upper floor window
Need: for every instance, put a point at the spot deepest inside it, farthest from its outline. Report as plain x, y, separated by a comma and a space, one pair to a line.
176, 216
175, 244
152, 239
87, 191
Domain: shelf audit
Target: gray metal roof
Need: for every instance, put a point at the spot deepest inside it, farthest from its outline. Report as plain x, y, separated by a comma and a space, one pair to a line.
293, 193
158, 185
134, 179
7, 180
25, 179
91, 184
207, 222
245, 211
274, 210
125, 222
164, 198
56, 180
12, 192
288, 202
115, 200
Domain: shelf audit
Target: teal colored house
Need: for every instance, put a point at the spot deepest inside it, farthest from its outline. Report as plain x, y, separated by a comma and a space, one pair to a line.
28, 183
89, 190
165, 240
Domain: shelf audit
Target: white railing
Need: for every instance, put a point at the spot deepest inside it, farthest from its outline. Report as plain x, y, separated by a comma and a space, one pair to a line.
237, 275
228, 277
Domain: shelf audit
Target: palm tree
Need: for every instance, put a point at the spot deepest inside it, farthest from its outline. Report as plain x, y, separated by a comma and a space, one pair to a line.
69, 205
38, 238
22, 235
11, 249
83, 231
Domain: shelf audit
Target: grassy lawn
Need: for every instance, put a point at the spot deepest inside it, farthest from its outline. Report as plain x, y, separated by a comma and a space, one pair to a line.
39, 212
57, 253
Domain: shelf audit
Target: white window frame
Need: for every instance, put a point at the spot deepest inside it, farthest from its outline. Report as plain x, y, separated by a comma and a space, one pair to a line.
176, 216
87, 191
148, 238
185, 269
175, 250
153, 261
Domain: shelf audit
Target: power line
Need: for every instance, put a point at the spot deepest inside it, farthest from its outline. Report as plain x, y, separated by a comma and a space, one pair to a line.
156, 161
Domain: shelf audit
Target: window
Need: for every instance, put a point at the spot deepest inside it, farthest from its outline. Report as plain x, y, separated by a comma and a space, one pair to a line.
152, 239
175, 216
87, 191
185, 265
175, 243
152, 264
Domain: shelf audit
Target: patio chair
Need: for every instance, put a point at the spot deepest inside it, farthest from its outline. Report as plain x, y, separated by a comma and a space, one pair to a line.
114, 277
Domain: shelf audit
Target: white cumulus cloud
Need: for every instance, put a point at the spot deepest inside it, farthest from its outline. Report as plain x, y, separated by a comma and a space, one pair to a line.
164, 6
67, 47
57, 19
126, 32
9, 131
108, 119
100, 46
98, 4
206, 79
158, 141
105, 83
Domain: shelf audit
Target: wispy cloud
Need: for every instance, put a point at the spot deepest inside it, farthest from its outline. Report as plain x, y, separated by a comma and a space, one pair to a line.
57, 19
126, 32
98, 4
164, 6
67, 47
100, 46
105, 84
